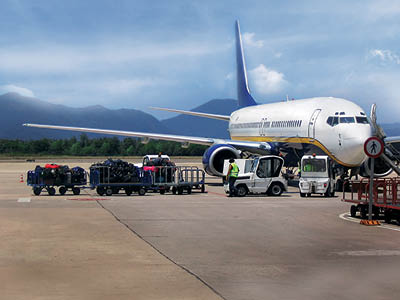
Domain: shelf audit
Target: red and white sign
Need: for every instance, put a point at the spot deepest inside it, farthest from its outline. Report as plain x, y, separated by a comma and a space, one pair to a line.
373, 147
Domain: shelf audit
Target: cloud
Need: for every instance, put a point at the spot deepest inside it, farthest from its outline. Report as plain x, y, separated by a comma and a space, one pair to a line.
267, 81
248, 39
10, 88
385, 56
128, 86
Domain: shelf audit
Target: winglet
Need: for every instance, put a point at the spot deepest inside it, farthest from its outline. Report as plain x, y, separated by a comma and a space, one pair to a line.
244, 97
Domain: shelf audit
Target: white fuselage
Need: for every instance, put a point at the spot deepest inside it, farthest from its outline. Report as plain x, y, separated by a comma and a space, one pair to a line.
307, 121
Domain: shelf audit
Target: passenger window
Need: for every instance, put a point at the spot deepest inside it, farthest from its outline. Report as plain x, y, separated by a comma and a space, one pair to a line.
346, 120
362, 120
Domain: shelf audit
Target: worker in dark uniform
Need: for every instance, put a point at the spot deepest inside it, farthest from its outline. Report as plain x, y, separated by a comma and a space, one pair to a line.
231, 177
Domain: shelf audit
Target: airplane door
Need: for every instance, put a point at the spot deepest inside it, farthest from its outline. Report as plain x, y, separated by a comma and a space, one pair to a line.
262, 124
311, 123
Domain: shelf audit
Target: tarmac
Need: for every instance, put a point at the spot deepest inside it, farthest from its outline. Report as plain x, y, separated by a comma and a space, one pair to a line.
197, 246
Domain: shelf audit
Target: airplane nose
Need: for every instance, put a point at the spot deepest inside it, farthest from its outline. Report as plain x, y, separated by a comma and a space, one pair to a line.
354, 145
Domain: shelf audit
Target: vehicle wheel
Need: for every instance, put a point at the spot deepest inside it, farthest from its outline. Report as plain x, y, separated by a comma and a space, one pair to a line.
37, 191
51, 191
375, 212
189, 190
275, 189
302, 195
241, 191
203, 188
353, 211
62, 190
363, 212
333, 193
109, 192
308, 194
128, 191
388, 216
174, 190
76, 190
100, 190
162, 191
180, 190
142, 191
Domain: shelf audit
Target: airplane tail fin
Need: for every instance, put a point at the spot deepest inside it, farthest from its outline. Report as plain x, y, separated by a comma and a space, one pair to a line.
244, 97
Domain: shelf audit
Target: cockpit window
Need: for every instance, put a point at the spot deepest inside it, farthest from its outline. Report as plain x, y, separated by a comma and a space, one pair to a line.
346, 119
362, 120
332, 121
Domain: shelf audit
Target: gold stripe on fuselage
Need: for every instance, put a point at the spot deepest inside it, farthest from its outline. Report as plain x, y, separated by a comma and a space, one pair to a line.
298, 140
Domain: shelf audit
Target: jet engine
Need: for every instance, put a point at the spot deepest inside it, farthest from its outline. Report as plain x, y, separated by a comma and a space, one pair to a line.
381, 168
214, 156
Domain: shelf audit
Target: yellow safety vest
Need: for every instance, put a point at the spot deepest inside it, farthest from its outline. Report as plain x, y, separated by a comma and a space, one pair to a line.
235, 170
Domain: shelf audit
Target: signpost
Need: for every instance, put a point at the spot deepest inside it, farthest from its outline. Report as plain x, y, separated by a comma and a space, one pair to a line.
373, 147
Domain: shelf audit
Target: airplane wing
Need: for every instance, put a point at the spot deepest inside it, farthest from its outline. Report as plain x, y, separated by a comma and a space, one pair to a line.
193, 113
242, 145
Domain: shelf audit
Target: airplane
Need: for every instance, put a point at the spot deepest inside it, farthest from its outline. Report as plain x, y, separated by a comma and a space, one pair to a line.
322, 125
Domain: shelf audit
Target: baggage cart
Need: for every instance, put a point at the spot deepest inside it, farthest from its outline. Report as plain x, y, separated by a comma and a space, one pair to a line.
52, 176
177, 179
386, 198
101, 179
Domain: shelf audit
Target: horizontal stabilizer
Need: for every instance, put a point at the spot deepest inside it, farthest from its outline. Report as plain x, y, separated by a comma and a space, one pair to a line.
197, 114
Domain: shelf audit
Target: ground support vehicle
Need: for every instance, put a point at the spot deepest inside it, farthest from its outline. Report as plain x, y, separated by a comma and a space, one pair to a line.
317, 176
56, 176
386, 198
102, 180
260, 175
177, 179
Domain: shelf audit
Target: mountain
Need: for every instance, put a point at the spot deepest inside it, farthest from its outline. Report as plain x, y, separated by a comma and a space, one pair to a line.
16, 110
196, 126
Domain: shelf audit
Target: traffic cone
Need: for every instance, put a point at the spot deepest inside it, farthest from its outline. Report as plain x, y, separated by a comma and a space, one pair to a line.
21, 178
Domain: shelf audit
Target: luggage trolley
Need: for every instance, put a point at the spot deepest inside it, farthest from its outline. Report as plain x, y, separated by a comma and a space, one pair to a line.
386, 198
177, 179
102, 181
50, 177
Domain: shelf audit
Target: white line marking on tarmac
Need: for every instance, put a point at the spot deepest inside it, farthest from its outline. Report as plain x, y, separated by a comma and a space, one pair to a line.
346, 217
25, 200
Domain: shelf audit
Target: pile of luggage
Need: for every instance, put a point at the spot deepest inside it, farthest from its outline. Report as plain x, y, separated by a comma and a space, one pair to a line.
116, 171
57, 175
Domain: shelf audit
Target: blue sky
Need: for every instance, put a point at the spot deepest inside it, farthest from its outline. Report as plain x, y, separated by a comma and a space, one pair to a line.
179, 54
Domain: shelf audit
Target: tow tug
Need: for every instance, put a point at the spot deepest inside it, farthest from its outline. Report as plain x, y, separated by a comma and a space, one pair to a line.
317, 176
259, 175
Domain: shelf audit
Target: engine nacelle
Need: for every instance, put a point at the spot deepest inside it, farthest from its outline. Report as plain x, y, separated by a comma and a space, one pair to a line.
213, 158
381, 168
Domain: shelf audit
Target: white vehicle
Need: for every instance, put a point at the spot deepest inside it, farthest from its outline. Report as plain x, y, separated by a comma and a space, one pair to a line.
258, 176
317, 176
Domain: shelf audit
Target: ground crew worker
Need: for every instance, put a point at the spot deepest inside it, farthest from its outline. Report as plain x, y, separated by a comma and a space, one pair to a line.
231, 177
